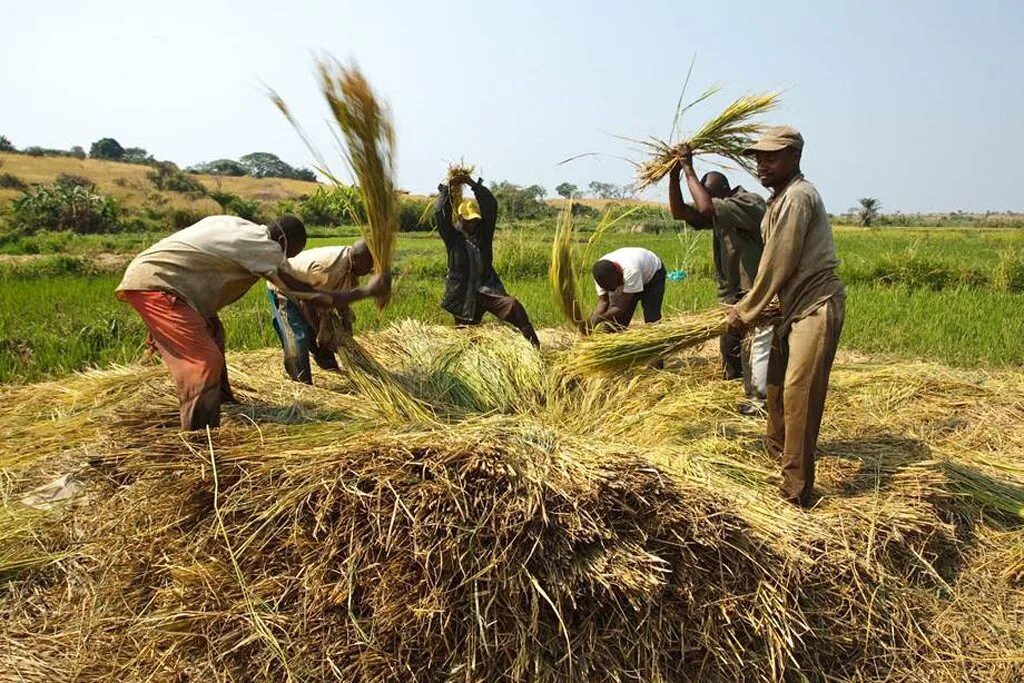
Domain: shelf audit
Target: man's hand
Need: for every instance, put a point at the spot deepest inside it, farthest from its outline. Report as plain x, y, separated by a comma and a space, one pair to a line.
734, 319
379, 285
320, 300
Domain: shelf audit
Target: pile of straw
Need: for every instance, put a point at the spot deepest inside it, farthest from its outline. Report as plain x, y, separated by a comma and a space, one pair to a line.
726, 135
555, 528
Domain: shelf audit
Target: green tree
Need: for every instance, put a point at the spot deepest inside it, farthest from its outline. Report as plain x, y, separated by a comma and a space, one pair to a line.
567, 190
868, 212
6, 145
77, 152
228, 167
521, 202
605, 190
106, 148
136, 155
266, 165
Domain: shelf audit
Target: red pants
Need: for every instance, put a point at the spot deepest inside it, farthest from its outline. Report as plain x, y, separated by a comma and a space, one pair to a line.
193, 349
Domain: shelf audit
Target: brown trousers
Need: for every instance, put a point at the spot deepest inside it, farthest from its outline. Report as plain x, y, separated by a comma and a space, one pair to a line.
798, 371
505, 308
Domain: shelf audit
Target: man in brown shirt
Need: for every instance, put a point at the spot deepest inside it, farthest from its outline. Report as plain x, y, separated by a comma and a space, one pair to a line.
799, 267
734, 217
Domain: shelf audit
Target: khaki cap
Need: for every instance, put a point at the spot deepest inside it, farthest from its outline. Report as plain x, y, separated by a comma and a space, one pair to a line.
775, 138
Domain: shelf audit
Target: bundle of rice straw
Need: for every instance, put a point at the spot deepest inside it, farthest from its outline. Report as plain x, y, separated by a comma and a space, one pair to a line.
562, 271
612, 352
365, 124
566, 281
459, 170
368, 375
725, 135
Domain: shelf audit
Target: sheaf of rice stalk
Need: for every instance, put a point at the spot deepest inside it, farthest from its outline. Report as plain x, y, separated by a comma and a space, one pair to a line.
364, 123
459, 170
615, 351
567, 270
726, 135
373, 379
20, 550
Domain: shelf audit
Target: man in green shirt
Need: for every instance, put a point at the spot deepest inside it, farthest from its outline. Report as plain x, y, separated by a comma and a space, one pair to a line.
734, 217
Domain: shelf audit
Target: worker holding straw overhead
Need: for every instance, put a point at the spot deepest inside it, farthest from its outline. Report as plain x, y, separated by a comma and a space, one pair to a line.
472, 287
179, 284
734, 217
334, 269
799, 267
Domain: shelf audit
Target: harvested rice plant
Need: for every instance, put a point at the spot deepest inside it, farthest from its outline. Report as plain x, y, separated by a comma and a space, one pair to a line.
538, 523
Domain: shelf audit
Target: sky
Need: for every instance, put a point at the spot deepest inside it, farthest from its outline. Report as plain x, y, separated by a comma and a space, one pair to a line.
917, 103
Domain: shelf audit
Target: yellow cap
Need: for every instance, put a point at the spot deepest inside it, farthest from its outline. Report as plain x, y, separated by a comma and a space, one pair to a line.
469, 210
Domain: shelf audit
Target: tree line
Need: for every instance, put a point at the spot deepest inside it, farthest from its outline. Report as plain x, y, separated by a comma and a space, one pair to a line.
255, 164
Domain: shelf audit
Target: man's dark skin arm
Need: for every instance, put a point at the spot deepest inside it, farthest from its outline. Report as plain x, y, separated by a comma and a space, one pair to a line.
701, 215
604, 312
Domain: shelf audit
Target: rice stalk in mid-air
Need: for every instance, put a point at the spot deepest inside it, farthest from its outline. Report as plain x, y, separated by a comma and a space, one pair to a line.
364, 122
459, 170
726, 135
567, 273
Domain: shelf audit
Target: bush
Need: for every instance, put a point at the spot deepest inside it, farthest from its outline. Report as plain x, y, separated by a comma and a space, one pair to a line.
232, 204
77, 152
71, 180
415, 215
517, 202
35, 151
5, 145
74, 208
584, 211
178, 218
9, 181
226, 167
339, 205
107, 148
168, 177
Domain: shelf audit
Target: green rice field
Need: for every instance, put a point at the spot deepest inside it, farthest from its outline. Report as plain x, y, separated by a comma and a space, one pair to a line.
954, 296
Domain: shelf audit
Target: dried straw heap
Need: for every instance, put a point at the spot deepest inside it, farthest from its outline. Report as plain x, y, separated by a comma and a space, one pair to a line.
540, 526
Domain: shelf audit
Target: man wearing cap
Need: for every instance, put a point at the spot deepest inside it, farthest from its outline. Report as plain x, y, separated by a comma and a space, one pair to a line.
625, 277
472, 287
734, 217
179, 284
799, 267
331, 269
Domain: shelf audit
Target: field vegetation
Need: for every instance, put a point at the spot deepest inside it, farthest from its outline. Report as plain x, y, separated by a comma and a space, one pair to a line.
954, 296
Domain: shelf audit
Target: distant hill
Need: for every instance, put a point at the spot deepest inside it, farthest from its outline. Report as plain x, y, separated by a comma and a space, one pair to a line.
129, 185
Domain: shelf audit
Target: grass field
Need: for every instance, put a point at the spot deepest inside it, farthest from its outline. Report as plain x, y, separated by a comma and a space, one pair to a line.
953, 296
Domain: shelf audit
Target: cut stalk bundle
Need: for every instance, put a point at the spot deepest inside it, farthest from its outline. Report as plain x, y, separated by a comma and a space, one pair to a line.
365, 124
562, 271
613, 352
459, 170
567, 272
726, 135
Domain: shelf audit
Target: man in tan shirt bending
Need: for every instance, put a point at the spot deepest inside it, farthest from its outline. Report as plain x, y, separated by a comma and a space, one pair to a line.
798, 266
179, 284
331, 269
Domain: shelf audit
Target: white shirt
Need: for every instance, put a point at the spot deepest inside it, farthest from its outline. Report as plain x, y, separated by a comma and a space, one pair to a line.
638, 268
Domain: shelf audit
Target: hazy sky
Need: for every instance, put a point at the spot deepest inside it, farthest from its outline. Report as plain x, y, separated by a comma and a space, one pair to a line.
917, 103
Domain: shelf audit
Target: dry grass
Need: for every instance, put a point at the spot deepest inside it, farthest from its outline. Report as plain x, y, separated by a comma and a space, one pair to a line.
542, 528
128, 182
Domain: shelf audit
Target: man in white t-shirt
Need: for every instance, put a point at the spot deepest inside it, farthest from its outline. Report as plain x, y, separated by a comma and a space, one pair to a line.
624, 278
